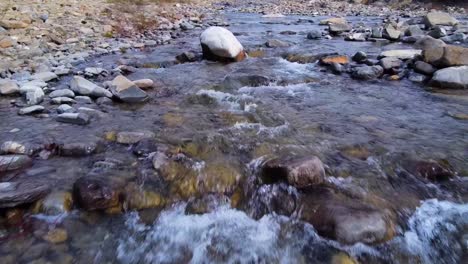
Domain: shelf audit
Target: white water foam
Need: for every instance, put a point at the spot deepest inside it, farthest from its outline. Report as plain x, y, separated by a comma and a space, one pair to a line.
223, 236
435, 232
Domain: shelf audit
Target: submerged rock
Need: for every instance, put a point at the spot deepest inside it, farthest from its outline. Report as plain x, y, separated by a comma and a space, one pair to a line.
453, 77
429, 170
273, 198
92, 193
314, 34
276, 43
137, 198
300, 173
56, 203
219, 44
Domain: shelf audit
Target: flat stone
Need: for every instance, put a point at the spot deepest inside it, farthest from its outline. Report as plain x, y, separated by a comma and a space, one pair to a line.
62, 93
31, 110
78, 149
336, 28
84, 87
131, 137
13, 24
45, 76
73, 118
14, 162
62, 100
8, 87
333, 20
84, 99
402, 54
13, 194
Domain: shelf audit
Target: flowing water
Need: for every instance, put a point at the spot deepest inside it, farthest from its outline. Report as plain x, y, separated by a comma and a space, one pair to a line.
228, 122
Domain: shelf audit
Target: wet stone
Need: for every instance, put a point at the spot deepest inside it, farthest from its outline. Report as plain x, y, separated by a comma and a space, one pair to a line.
78, 149
13, 147
300, 172
82, 86
344, 219
14, 162
73, 118
359, 57
92, 193
13, 194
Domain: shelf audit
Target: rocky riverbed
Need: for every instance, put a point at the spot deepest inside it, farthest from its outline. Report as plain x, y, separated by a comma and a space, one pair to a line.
282, 138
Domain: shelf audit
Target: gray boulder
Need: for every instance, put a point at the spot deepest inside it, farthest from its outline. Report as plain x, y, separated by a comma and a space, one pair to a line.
367, 72
8, 87
436, 18
424, 68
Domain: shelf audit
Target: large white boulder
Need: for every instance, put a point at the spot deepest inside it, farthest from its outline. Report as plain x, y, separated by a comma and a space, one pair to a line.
453, 77
220, 44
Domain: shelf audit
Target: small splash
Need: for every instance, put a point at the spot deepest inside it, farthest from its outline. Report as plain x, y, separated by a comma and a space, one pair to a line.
261, 129
435, 232
230, 101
